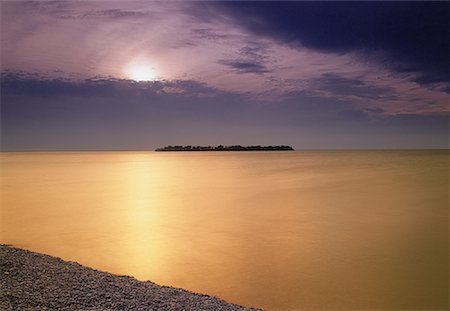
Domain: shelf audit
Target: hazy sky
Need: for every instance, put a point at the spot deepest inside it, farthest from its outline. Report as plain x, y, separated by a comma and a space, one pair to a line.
143, 74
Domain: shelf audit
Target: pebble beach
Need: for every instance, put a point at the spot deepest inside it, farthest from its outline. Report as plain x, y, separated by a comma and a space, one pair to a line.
32, 281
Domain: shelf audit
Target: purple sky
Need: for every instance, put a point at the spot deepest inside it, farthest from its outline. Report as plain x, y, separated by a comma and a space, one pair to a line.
306, 74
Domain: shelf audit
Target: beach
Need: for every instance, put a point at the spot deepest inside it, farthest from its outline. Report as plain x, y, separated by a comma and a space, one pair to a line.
33, 281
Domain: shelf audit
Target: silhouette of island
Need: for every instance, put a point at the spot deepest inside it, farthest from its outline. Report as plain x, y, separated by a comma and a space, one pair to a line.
225, 148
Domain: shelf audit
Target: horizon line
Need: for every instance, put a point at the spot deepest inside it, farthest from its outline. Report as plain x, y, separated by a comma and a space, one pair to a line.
153, 150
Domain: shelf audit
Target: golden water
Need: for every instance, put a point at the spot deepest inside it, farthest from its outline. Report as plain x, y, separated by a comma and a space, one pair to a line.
279, 230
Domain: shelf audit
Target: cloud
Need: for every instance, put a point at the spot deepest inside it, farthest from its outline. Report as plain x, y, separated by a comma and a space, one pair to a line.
66, 10
339, 85
400, 35
208, 34
113, 13
245, 66
35, 84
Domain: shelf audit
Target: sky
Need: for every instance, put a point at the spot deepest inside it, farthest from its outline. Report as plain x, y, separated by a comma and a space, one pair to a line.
127, 75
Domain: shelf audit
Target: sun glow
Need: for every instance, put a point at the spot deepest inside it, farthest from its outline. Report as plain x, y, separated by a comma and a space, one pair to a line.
141, 71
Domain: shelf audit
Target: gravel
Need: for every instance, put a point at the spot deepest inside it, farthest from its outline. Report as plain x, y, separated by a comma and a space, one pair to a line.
32, 281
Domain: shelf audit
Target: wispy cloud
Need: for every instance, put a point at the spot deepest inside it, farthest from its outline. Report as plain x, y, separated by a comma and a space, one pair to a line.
245, 66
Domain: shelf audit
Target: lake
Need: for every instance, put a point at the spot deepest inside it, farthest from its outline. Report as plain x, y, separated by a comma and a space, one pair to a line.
278, 230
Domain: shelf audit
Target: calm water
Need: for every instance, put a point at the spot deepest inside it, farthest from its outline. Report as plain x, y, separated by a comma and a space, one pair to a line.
280, 230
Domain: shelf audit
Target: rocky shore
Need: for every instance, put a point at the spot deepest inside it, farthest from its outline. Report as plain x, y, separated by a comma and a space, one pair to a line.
32, 281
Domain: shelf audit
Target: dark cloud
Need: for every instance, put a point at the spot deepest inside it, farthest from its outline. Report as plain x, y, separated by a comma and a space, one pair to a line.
405, 36
351, 87
252, 59
14, 83
208, 34
430, 78
245, 66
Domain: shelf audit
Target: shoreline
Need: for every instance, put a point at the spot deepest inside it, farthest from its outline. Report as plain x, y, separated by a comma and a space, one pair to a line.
34, 281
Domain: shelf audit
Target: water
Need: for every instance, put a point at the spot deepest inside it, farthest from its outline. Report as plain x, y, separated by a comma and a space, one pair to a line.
279, 230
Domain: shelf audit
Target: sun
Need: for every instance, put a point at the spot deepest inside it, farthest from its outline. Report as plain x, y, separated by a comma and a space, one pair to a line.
141, 71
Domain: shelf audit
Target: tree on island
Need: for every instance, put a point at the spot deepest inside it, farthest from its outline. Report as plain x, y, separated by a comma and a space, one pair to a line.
225, 148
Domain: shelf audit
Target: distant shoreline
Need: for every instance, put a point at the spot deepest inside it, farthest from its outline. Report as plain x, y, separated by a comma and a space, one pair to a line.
33, 281
152, 150
225, 148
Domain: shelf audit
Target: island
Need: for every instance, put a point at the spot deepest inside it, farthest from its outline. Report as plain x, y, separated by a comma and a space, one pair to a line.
225, 148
